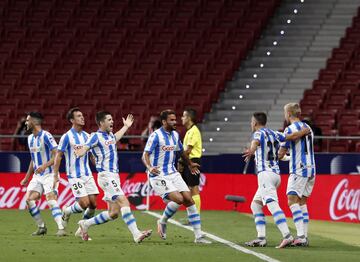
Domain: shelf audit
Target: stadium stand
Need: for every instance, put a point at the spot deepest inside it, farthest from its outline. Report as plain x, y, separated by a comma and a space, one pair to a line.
124, 56
285, 61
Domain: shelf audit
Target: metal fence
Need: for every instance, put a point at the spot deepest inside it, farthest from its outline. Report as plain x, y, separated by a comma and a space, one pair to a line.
324, 143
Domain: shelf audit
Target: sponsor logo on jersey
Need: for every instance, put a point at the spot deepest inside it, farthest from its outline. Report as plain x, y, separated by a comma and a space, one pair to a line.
168, 148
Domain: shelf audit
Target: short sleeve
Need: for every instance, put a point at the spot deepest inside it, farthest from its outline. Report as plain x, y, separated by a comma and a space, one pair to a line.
191, 141
280, 136
64, 143
152, 142
257, 136
92, 141
286, 144
49, 141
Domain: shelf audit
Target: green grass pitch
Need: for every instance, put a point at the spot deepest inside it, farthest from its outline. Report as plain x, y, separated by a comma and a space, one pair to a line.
329, 241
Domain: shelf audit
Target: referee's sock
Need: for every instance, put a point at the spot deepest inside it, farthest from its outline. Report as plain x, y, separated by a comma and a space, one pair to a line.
197, 200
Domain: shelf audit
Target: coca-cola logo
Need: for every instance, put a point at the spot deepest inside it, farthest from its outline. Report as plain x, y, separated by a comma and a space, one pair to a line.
15, 196
167, 148
345, 202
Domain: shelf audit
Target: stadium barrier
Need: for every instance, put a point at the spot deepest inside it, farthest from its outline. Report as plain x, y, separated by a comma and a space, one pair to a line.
335, 197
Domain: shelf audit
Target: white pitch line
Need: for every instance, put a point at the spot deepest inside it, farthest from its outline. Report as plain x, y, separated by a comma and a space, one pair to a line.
220, 240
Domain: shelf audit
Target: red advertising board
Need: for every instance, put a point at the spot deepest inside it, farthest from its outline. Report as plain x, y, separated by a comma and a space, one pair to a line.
335, 197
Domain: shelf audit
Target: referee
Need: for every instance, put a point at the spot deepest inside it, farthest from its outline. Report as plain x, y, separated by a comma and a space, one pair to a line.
193, 148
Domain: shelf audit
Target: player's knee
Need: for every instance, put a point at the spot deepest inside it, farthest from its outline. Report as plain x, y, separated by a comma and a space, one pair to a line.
255, 207
179, 200
84, 203
292, 201
114, 215
30, 201
50, 196
92, 205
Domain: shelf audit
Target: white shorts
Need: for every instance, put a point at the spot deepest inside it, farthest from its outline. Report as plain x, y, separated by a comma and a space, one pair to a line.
42, 184
83, 186
268, 182
299, 185
163, 185
110, 184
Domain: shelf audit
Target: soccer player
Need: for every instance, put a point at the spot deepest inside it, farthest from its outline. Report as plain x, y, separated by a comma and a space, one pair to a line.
159, 158
302, 172
193, 149
265, 144
42, 146
103, 146
78, 171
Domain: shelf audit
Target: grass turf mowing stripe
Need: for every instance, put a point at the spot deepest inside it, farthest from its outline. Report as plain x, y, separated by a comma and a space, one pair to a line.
219, 239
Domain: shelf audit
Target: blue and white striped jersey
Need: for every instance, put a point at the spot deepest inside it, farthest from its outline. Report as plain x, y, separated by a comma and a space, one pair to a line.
302, 161
162, 146
103, 147
266, 154
40, 149
71, 140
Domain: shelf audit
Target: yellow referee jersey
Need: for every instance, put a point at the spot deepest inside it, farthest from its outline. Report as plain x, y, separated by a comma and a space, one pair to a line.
193, 138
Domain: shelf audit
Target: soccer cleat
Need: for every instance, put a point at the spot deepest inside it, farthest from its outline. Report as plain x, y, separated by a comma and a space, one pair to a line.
78, 234
142, 236
84, 230
299, 242
286, 242
161, 229
202, 240
65, 218
40, 231
256, 243
61, 233
307, 243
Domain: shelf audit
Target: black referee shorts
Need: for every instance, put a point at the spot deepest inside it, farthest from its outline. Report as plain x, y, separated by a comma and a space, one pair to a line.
190, 179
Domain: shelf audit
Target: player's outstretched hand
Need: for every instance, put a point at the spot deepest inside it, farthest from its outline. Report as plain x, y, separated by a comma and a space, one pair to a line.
194, 168
154, 170
247, 154
128, 121
40, 169
24, 182
305, 131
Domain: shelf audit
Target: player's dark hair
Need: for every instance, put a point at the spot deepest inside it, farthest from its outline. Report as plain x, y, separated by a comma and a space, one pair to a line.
156, 125
260, 117
70, 113
100, 116
164, 114
192, 114
36, 115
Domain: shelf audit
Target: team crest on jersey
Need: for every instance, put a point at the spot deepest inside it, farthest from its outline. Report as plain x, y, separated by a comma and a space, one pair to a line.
167, 148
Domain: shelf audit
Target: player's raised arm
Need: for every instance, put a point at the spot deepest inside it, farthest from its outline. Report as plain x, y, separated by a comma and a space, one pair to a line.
127, 124
28, 174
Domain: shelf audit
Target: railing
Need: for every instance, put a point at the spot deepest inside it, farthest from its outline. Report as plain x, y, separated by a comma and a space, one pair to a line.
323, 147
